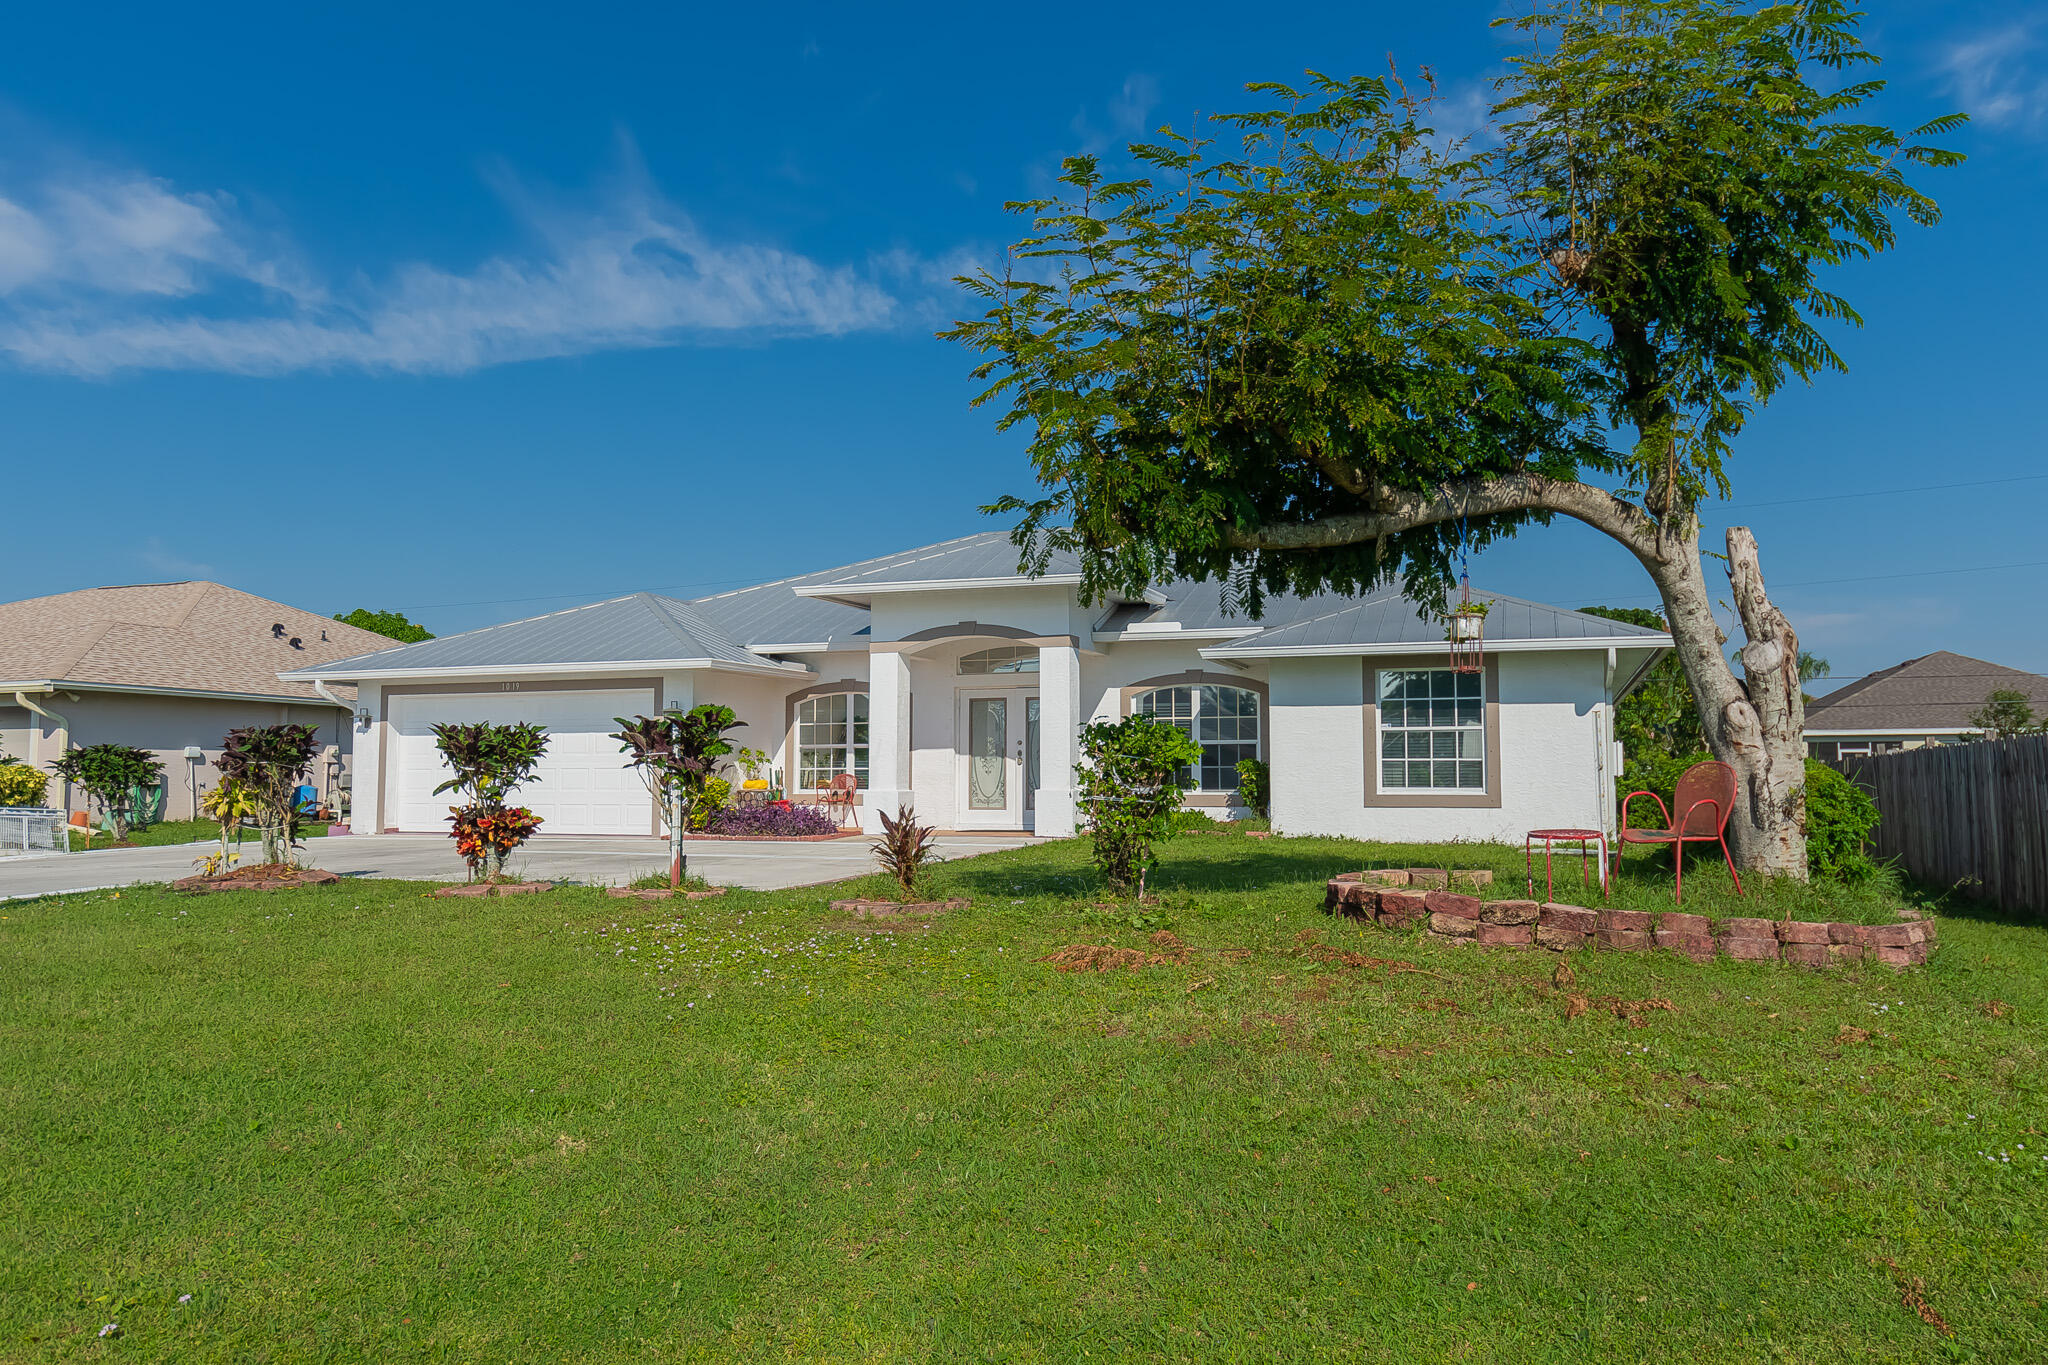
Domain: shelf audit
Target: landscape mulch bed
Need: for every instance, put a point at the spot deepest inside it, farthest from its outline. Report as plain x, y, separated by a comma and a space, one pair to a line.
1168, 951
261, 877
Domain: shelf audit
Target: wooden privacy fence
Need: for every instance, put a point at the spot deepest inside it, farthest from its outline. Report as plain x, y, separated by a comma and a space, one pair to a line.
1971, 816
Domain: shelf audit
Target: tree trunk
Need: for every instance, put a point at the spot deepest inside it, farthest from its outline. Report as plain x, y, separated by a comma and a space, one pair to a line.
676, 862
1754, 724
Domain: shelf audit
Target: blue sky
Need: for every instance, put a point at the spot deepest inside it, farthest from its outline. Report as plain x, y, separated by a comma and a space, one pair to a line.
475, 312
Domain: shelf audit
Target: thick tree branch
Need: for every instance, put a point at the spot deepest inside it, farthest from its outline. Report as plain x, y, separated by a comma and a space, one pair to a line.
1404, 510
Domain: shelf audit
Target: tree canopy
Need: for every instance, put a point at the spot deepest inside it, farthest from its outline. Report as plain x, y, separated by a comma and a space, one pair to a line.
1315, 347
391, 623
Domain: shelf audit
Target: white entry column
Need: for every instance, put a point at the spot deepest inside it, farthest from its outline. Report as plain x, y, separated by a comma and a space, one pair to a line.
1059, 737
888, 738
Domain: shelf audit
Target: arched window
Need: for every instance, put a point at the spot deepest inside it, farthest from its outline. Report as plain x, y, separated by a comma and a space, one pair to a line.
1223, 720
1002, 659
832, 738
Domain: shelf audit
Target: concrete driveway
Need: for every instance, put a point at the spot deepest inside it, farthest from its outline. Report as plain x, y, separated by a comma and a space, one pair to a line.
764, 866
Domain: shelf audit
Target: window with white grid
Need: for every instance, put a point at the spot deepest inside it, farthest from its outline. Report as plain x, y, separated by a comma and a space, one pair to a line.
1223, 720
1432, 730
832, 738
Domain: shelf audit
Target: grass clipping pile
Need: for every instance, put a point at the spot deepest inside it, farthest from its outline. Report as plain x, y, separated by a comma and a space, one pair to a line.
1167, 951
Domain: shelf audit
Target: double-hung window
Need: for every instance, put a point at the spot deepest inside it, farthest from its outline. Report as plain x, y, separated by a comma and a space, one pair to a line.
832, 738
1432, 730
1223, 720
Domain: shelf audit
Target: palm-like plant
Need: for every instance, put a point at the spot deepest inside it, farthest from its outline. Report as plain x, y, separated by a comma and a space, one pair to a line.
904, 848
678, 753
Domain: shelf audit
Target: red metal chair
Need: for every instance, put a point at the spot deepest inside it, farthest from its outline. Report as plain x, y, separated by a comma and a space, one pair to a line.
1705, 799
839, 792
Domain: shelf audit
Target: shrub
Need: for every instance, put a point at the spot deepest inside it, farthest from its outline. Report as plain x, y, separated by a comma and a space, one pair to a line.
1130, 783
1840, 818
904, 848
21, 785
776, 820
110, 773
713, 801
678, 753
489, 763
269, 762
1255, 786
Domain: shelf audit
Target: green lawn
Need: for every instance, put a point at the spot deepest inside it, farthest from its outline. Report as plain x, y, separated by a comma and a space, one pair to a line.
358, 1123
186, 832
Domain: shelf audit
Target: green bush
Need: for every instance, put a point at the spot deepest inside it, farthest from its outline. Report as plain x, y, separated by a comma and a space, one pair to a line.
21, 785
110, 773
1840, 818
1255, 786
1130, 785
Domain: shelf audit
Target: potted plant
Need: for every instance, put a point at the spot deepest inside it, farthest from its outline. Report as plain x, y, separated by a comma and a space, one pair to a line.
1468, 620
757, 768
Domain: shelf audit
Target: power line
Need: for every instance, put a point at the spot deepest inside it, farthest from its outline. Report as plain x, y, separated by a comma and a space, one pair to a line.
1830, 582
597, 596
1889, 492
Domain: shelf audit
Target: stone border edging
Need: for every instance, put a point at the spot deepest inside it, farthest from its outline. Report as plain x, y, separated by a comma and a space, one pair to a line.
774, 838
312, 876
1560, 928
496, 889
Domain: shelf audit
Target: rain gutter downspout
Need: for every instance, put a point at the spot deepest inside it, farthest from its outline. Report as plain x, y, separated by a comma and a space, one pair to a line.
35, 736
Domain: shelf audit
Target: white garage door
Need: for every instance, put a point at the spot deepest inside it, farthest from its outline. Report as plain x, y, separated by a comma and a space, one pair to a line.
583, 785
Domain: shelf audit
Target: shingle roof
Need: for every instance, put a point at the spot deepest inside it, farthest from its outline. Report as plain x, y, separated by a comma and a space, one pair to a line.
1936, 691
186, 637
640, 628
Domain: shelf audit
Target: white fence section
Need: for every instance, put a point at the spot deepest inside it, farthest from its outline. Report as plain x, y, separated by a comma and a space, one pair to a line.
33, 829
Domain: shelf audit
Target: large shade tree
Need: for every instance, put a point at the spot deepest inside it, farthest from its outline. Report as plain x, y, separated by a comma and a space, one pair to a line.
1316, 347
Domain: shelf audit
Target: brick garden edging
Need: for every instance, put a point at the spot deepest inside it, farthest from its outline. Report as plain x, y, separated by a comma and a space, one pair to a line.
1397, 904
496, 889
661, 893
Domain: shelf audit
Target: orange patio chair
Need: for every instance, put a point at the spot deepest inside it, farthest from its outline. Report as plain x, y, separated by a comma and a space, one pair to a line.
1704, 800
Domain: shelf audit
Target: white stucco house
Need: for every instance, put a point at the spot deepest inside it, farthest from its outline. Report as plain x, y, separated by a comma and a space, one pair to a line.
941, 678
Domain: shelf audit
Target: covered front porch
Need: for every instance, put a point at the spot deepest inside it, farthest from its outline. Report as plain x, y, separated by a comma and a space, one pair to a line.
976, 727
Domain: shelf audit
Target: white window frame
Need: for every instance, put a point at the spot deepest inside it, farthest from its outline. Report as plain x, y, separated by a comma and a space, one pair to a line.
1193, 726
853, 754
1476, 728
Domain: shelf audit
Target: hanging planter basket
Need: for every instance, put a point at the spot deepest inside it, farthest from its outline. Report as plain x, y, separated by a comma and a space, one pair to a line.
1467, 633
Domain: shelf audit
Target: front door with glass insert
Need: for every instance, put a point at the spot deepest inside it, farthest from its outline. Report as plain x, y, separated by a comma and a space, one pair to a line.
998, 733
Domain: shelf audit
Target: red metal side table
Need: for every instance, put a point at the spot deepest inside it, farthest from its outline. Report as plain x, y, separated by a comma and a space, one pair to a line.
1581, 837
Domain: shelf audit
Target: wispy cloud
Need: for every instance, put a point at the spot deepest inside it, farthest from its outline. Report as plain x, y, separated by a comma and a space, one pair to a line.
1125, 118
103, 271
1998, 77
155, 557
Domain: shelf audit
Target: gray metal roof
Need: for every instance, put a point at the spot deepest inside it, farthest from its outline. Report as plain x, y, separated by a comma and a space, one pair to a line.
1327, 621
639, 628
990, 554
648, 628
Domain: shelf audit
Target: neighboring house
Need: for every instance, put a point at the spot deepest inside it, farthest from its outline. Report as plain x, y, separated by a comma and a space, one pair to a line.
166, 667
942, 678
1928, 700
